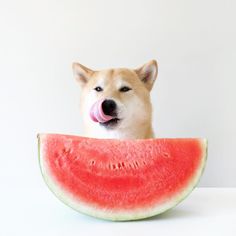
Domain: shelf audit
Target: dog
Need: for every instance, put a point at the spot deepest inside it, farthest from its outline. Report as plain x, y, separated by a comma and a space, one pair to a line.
115, 103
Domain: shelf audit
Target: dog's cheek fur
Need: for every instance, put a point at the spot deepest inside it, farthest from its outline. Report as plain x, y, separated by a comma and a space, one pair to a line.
135, 110
87, 99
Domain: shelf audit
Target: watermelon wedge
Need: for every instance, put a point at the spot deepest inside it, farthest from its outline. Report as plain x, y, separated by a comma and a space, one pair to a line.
121, 179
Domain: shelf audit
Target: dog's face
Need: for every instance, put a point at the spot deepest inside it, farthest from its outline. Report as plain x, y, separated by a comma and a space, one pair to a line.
123, 95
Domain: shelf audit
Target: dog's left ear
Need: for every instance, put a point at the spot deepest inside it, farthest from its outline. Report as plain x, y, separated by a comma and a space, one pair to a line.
148, 73
82, 74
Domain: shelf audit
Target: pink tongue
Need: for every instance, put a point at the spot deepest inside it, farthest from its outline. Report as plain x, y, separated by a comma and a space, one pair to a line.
97, 114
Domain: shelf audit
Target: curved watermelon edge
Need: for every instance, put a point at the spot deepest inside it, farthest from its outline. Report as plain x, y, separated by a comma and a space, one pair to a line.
92, 211
197, 178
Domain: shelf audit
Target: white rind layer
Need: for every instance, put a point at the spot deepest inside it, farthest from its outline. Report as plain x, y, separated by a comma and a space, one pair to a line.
107, 214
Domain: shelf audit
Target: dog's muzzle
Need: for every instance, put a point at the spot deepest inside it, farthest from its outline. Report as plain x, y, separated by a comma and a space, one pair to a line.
103, 110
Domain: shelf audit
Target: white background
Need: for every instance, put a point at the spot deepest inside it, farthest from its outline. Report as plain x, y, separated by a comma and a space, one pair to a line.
193, 41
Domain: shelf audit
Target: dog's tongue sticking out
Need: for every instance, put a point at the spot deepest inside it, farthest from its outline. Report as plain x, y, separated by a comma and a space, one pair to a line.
97, 114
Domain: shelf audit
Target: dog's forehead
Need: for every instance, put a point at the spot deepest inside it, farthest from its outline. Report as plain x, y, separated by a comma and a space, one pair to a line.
115, 76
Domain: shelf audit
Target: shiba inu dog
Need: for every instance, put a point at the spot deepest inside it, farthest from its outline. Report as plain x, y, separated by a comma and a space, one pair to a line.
115, 103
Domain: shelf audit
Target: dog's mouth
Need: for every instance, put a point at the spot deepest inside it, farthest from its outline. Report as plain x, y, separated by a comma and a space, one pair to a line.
111, 123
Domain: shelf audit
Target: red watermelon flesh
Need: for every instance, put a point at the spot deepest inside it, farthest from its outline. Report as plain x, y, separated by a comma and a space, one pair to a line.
121, 179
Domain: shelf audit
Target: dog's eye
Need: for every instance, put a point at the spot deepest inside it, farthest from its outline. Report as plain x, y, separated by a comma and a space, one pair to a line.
98, 89
125, 89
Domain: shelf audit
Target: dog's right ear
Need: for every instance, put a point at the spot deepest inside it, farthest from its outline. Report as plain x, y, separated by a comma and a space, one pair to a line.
148, 73
81, 73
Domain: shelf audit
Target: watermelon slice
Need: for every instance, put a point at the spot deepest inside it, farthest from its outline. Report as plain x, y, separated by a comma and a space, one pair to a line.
121, 179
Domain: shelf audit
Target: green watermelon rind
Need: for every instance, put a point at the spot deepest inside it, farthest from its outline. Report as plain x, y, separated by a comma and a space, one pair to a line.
139, 214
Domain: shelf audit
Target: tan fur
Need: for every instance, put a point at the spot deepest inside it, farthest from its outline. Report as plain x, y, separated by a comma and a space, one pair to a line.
134, 106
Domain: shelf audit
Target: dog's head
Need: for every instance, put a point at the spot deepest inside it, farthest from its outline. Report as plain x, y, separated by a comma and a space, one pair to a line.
116, 98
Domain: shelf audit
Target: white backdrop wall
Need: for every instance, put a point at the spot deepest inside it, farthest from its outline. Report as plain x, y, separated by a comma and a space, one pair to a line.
193, 41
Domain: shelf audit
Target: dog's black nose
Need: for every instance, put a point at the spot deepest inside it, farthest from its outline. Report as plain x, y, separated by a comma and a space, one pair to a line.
109, 107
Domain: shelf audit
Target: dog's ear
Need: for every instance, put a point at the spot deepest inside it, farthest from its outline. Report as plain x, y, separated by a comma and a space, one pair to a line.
148, 73
81, 73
